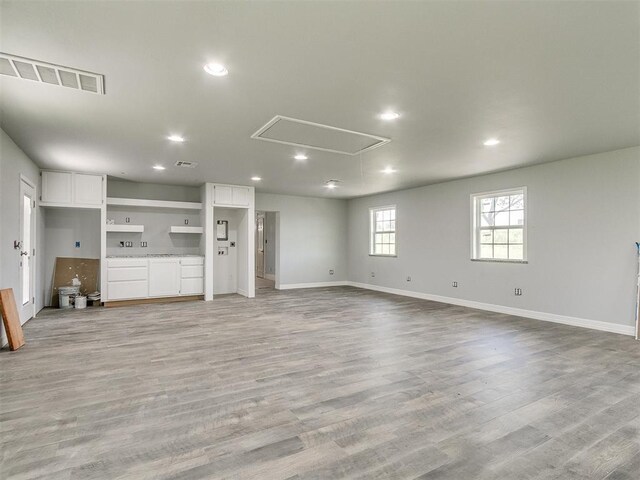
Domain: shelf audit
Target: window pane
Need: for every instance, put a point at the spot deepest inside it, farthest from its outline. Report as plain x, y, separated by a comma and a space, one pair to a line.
378, 249
486, 236
486, 220
486, 205
385, 249
502, 219
500, 251
392, 225
516, 252
379, 216
392, 238
392, 249
379, 226
502, 204
516, 217
379, 237
385, 238
516, 235
393, 214
486, 251
500, 236
517, 202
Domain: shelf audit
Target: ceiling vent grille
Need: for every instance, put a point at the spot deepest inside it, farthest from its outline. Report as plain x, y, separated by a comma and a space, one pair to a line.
28, 69
302, 133
185, 164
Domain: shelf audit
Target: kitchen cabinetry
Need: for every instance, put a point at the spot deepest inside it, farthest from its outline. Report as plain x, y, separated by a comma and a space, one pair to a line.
131, 278
70, 189
164, 277
231, 196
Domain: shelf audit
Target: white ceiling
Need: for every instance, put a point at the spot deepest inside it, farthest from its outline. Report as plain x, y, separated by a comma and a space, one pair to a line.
551, 80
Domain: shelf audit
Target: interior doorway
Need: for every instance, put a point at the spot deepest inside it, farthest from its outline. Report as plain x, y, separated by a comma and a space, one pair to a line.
266, 242
26, 248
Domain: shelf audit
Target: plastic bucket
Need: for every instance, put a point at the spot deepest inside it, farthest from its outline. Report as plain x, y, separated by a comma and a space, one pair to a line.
65, 294
81, 301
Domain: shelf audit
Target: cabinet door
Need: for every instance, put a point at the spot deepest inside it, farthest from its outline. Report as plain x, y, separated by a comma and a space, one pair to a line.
87, 189
222, 195
127, 290
192, 286
56, 187
164, 277
240, 196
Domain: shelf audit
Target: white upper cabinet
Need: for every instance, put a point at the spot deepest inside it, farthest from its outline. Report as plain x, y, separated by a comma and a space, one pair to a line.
222, 195
56, 187
231, 195
72, 189
87, 189
240, 196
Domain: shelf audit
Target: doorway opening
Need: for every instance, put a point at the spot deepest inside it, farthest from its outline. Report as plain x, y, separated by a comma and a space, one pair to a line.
266, 250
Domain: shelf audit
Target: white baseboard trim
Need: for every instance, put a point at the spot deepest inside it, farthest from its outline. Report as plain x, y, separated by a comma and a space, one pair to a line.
519, 312
270, 276
291, 286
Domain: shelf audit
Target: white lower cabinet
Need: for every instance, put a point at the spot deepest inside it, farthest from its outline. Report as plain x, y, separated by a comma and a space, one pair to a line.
136, 278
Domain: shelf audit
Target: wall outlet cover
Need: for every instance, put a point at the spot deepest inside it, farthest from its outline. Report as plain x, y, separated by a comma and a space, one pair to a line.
77, 244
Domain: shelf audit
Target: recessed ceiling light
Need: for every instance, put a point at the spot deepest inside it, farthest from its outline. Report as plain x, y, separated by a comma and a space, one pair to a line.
388, 170
389, 115
331, 184
216, 69
176, 138
158, 167
256, 179
491, 142
301, 156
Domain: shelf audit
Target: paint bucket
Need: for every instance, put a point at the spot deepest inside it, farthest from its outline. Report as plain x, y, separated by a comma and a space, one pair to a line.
81, 301
65, 294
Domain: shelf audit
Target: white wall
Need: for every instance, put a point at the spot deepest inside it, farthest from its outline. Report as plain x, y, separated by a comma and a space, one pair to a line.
312, 237
62, 228
583, 220
13, 163
226, 268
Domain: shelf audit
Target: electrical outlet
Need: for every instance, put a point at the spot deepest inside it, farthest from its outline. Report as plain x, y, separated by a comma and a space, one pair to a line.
186, 221
128, 244
454, 284
373, 274
408, 279
518, 292
330, 272
77, 244
127, 220
143, 244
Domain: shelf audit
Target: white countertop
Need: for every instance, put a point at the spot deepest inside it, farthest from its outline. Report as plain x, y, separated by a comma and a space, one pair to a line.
156, 255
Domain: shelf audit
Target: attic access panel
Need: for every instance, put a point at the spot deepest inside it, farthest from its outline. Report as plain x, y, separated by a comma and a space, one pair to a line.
302, 133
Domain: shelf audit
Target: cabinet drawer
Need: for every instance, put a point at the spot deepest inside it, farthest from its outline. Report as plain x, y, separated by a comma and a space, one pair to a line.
191, 286
192, 261
126, 262
127, 273
192, 271
127, 290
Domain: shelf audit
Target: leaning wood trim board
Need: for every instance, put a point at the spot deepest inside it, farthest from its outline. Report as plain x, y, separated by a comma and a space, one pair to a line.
11, 319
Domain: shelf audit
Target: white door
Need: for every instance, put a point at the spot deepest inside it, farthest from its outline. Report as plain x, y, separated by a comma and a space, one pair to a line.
27, 250
260, 245
164, 277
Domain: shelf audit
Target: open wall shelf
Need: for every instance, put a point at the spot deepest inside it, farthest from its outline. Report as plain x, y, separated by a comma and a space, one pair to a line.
136, 202
185, 229
125, 228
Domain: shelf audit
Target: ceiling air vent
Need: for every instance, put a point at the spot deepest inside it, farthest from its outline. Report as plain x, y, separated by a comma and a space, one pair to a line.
185, 164
302, 133
28, 69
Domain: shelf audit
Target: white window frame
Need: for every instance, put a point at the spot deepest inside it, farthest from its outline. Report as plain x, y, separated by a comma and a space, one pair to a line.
372, 231
475, 224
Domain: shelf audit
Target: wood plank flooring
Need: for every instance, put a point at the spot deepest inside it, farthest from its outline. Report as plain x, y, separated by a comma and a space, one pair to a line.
317, 384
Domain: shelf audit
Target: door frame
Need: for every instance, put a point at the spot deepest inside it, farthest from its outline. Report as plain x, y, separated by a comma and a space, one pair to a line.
28, 310
260, 215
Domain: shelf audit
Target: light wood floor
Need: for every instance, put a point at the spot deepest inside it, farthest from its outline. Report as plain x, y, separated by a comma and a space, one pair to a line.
317, 384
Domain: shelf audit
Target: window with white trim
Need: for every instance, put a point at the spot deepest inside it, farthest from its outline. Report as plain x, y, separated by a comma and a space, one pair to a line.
500, 226
382, 239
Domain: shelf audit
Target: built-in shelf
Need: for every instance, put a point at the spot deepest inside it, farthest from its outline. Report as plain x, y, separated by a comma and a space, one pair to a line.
136, 202
185, 229
126, 228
